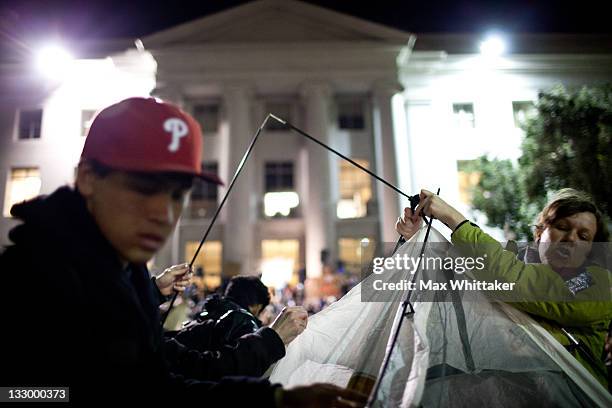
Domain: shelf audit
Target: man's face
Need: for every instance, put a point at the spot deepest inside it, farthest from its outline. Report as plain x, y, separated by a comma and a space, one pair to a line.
567, 242
135, 212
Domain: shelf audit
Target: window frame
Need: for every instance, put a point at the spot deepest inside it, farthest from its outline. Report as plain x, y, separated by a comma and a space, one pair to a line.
18, 127
281, 186
455, 113
354, 100
211, 103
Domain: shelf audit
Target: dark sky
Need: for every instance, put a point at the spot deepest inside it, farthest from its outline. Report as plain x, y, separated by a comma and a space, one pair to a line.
132, 18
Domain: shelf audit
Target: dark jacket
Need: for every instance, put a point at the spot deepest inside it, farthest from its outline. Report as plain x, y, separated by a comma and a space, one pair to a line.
97, 325
251, 354
222, 323
233, 343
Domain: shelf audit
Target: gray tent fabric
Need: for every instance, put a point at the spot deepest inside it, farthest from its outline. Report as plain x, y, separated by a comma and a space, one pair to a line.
452, 352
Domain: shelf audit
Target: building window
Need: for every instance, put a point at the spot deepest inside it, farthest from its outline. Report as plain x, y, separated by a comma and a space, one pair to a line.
280, 197
280, 259
468, 180
355, 190
280, 109
30, 124
355, 253
523, 111
87, 117
279, 176
204, 194
351, 114
463, 114
208, 265
207, 116
24, 183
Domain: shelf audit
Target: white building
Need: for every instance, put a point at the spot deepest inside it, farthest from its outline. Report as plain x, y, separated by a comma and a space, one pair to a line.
408, 107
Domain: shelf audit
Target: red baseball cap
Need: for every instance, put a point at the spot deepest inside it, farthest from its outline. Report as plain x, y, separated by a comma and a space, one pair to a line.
147, 135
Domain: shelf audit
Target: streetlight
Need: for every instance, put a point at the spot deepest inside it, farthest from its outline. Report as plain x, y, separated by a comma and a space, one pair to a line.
53, 61
493, 46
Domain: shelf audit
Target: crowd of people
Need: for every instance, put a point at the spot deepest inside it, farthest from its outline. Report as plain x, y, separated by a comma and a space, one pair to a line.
96, 327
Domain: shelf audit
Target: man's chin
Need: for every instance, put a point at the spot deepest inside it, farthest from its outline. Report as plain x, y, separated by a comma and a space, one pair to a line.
139, 255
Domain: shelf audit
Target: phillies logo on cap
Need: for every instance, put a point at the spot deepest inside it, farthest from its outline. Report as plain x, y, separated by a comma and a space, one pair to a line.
178, 129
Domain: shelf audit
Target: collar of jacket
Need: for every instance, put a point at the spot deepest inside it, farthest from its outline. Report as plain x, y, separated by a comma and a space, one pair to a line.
62, 221
61, 225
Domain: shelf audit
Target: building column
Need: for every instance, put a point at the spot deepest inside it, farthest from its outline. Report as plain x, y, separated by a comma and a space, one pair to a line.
240, 207
318, 206
385, 155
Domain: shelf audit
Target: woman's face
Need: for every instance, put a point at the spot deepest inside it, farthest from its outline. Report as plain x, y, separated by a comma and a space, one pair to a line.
567, 242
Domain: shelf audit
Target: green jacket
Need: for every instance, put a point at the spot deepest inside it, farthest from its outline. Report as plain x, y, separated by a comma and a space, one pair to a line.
585, 316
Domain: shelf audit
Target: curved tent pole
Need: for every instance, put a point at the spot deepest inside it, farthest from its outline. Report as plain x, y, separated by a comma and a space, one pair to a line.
241, 166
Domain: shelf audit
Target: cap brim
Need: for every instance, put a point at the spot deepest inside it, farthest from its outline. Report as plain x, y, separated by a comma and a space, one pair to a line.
211, 178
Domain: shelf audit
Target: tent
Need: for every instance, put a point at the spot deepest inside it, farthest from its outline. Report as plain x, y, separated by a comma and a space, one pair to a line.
451, 352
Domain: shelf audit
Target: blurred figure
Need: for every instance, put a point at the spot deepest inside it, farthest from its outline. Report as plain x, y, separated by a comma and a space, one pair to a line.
234, 314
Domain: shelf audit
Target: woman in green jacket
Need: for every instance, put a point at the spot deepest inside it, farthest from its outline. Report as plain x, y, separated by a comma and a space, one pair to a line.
559, 283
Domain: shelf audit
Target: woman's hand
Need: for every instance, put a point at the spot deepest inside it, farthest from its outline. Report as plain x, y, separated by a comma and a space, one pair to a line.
408, 224
432, 205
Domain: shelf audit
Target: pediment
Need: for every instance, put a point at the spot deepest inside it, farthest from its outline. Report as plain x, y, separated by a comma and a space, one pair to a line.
270, 21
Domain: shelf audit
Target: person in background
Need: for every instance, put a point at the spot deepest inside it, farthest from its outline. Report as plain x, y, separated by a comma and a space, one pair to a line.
234, 314
228, 339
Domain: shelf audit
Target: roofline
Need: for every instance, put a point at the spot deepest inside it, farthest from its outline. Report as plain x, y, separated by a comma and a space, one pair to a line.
231, 15
519, 43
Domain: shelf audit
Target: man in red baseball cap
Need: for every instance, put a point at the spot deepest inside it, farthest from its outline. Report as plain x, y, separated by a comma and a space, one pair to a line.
81, 256
157, 149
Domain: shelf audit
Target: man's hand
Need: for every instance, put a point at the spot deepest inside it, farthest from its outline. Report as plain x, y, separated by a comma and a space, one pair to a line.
177, 277
321, 395
407, 225
290, 323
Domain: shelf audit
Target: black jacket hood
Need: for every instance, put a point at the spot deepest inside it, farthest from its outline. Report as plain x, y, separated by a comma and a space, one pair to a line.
60, 217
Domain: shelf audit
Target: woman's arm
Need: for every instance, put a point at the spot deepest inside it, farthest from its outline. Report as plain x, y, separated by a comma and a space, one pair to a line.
542, 291
538, 289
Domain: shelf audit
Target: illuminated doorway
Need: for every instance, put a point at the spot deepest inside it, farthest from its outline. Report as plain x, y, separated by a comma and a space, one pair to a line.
208, 265
279, 262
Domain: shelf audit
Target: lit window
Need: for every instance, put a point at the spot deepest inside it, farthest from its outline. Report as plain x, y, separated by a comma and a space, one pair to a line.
279, 262
355, 190
355, 253
464, 115
87, 117
523, 111
351, 114
208, 264
280, 109
280, 197
468, 180
280, 203
204, 194
30, 123
23, 184
207, 116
